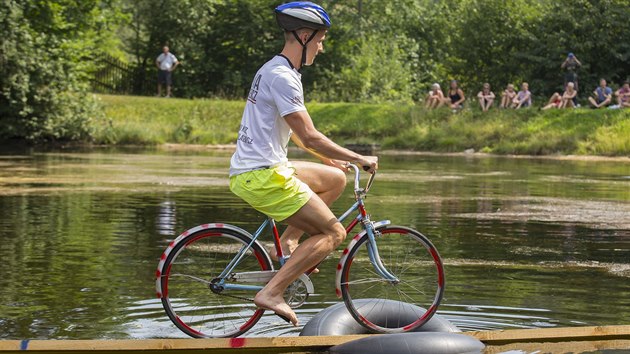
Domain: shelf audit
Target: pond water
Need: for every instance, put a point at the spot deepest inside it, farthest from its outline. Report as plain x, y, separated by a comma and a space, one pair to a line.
526, 242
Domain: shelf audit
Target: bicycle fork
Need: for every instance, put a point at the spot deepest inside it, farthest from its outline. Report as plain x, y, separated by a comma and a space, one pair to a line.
372, 249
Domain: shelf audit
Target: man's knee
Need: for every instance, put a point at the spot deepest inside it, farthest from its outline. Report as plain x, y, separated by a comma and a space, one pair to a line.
339, 178
338, 234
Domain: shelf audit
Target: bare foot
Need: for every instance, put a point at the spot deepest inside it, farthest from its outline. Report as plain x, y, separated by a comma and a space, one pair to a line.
276, 305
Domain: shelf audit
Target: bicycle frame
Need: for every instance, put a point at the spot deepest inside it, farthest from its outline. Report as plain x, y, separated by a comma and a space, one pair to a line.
361, 217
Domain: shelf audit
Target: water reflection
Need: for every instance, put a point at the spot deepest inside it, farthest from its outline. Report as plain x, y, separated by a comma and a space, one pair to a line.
526, 243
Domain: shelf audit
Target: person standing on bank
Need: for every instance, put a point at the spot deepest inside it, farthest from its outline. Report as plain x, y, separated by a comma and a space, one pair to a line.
260, 173
166, 64
571, 64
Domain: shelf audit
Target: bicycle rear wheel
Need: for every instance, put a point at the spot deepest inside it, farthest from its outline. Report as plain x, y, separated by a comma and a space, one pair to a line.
186, 275
412, 258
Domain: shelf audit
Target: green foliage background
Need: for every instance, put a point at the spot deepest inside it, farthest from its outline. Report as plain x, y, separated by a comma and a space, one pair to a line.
46, 47
150, 120
387, 50
377, 51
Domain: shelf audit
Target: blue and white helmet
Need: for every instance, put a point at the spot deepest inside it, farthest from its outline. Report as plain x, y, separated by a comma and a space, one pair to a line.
302, 14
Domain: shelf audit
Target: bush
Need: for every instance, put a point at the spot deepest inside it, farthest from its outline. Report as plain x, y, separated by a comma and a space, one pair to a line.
43, 93
150, 120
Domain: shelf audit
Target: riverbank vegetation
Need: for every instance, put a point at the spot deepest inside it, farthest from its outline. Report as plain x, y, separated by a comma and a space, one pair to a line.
376, 52
150, 120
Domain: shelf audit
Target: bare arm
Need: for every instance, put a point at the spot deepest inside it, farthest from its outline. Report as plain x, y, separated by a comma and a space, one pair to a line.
157, 63
462, 99
525, 98
319, 145
174, 66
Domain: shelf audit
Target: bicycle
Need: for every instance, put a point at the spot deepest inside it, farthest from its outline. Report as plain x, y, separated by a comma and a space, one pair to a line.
207, 276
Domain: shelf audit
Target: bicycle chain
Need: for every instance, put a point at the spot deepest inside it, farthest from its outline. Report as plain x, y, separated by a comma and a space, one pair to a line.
237, 297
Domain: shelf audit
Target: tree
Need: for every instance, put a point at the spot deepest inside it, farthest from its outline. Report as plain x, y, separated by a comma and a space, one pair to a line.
47, 51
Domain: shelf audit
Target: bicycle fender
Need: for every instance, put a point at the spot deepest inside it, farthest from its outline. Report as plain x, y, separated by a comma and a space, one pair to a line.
182, 237
344, 255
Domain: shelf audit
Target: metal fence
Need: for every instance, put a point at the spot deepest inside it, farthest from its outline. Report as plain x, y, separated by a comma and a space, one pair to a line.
117, 77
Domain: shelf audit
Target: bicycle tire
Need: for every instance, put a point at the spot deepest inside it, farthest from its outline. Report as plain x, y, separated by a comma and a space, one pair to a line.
421, 268
192, 261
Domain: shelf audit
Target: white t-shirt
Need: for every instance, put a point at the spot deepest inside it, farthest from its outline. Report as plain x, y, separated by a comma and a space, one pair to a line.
166, 61
264, 135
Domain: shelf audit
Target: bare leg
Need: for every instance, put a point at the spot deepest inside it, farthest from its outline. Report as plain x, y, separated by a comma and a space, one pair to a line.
159, 90
489, 102
326, 234
553, 98
505, 102
567, 103
483, 107
327, 182
168, 90
592, 101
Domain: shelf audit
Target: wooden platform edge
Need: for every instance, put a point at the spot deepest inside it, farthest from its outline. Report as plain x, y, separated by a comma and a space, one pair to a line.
218, 345
292, 344
561, 334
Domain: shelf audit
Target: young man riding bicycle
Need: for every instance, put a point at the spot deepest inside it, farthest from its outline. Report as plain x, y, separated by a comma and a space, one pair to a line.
260, 173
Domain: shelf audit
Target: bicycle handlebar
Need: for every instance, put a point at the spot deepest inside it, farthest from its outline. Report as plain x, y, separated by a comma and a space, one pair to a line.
357, 175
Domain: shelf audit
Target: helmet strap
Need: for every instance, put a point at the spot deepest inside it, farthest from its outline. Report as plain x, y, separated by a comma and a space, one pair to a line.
310, 38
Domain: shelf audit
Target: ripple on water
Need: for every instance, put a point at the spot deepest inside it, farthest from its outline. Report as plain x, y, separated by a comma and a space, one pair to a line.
596, 214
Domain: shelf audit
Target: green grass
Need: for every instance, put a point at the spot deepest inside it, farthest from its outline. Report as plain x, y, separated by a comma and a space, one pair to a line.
150, 120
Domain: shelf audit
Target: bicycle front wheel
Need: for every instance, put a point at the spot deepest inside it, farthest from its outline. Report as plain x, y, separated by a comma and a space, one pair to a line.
187, 275
414, 261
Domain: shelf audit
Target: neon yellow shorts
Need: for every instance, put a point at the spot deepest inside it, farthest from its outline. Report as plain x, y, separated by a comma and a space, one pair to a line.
275, 191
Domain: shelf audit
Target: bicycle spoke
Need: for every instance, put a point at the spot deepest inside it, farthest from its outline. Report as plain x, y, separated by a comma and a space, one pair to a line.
191, 277
195, 309
405, 254
364, 281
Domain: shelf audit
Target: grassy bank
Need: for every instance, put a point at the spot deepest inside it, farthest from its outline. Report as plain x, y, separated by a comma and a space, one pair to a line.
149, 120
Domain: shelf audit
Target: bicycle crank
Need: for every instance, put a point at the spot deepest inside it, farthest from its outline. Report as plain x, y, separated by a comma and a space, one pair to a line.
297, 293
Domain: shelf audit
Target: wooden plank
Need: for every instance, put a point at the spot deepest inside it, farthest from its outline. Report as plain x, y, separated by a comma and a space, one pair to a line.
145, 346
560, 347
617, 335
561, 334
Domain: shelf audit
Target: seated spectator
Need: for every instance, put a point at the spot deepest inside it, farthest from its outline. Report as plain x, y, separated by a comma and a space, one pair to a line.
602, 96
507, 96
523, 98
563, 101
486, 97
455, 97
623, 95
435, 98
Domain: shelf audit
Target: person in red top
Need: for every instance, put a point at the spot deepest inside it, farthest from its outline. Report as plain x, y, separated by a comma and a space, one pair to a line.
562, 101
623, 95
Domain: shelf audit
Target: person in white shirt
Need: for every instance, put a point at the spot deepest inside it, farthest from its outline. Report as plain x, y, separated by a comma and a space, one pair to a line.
260, 173
166, 64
